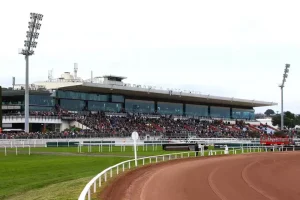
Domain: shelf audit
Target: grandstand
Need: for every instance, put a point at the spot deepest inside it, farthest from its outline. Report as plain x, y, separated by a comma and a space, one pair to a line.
106, 102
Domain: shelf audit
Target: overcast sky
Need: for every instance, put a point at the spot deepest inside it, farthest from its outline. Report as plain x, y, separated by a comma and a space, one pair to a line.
230, 48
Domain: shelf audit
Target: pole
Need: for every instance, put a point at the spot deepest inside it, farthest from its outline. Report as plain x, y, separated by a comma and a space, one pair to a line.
282, 114
135, 154
27, 95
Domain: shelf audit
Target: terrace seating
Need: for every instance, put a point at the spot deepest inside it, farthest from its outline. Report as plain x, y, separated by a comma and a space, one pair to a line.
103, 124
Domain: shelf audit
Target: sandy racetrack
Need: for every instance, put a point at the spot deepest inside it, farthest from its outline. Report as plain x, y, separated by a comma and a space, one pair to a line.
265, 176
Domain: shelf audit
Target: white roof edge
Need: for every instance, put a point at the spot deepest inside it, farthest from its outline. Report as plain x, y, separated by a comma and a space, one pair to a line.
261, 103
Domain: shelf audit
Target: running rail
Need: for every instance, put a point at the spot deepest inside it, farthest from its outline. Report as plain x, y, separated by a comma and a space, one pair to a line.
87, 192
91, 187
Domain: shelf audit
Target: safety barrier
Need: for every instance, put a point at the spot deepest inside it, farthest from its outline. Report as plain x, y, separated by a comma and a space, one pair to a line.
5, 149
91, 187
103, 176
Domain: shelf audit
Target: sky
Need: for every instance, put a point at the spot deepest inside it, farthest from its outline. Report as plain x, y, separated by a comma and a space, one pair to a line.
226, 48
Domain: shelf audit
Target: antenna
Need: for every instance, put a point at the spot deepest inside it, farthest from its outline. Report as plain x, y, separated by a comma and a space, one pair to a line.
75, 70
13, 82
50, 77
91, 76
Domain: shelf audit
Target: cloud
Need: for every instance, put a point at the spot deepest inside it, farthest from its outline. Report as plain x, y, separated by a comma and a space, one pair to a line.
231, 48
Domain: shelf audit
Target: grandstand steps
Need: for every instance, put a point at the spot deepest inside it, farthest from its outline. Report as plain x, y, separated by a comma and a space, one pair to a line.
253, 128
270, 127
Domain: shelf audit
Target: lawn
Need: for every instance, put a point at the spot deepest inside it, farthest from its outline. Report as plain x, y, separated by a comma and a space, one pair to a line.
95, 150
59, 172
47, 176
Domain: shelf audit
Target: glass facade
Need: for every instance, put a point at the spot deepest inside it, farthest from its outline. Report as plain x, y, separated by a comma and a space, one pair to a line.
166, 108
82, 96
41, 100
196, 110
72, 105
220, 112
137, 106
78, 101
97, 97
117, 98
104, 106
238, 113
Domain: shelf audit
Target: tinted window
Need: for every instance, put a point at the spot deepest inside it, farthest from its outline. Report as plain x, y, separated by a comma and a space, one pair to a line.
117, 98
219, 112
196, 110
72, 105
137, 106
104, 106
243, 113
41, 100
169, 108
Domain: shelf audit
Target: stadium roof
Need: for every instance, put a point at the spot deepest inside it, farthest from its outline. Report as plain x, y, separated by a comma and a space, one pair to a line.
149, 92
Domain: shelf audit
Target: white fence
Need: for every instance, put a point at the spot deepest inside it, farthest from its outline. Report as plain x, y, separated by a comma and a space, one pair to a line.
92, 186
42, 142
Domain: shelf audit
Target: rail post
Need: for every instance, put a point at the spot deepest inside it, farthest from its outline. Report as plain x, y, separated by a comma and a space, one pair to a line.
89, 194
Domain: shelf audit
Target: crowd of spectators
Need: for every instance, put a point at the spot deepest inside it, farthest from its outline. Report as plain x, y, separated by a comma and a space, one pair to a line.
123, 124
167, 126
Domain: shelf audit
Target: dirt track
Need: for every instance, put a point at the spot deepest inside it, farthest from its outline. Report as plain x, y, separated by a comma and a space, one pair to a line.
266, 176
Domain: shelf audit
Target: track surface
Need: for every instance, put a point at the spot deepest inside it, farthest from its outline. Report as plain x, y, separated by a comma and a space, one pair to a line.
264, 176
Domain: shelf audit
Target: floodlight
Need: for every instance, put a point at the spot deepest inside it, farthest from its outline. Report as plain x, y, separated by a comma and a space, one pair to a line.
30, 44
285, 75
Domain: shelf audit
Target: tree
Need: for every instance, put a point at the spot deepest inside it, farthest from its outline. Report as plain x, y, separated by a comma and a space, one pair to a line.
290, 120
269, 112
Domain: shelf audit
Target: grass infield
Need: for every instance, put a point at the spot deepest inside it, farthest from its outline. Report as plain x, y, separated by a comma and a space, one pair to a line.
58, 172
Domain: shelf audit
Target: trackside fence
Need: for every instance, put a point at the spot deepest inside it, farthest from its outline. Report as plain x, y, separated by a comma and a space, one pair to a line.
102, 177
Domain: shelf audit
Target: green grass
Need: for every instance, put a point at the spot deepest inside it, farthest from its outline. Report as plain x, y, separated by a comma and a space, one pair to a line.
58, 175
23, 173
116, 150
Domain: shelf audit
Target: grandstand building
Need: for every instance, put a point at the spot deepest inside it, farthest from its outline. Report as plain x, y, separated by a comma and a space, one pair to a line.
110, 94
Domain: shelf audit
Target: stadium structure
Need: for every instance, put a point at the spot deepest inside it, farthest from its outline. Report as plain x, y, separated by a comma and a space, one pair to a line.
110, 94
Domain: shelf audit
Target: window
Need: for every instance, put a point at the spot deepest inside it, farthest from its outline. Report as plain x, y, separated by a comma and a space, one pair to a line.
82, 96
169, 108
138, 106
196, 110
71, 95
72, 105
97, 97
104, 106
238, 113
220, 112
41, 100
117, 98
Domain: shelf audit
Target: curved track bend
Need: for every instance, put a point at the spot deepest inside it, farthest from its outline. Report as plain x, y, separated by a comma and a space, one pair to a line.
264, 176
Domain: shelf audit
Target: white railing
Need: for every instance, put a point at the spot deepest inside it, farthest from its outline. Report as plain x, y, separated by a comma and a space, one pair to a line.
91, 187
42, 142
122, 166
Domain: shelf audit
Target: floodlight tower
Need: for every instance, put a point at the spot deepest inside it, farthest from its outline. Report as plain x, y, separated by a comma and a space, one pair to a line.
285, 75
29, 45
